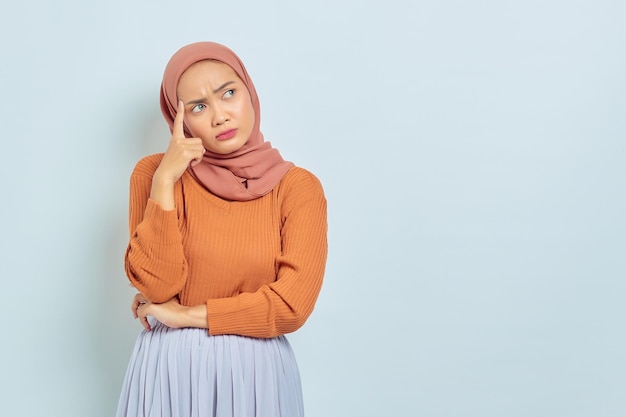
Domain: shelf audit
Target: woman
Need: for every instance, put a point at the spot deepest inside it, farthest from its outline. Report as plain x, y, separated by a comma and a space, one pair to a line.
227, 250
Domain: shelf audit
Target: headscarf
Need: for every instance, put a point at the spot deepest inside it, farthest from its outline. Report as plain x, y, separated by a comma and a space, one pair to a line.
246, 174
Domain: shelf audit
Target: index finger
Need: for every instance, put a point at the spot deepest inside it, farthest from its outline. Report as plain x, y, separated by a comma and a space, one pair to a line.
179, 126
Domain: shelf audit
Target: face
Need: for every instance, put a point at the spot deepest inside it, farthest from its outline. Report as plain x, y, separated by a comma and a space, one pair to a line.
218, 108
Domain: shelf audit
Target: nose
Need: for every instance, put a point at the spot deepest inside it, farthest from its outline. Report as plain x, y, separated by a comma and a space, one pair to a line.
219, 116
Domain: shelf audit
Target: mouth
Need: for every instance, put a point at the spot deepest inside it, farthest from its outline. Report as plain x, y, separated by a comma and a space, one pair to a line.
228, 134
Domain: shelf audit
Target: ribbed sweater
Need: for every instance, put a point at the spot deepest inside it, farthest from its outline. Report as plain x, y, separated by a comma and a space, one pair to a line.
257, 265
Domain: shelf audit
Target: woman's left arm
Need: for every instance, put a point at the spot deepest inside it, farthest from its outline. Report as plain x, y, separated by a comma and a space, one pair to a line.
284, 305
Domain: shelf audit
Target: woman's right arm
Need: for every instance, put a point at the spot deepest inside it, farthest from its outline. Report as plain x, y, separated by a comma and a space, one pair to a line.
155, 262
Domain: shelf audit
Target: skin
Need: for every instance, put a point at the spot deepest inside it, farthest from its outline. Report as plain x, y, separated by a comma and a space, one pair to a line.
212, 100
216, 100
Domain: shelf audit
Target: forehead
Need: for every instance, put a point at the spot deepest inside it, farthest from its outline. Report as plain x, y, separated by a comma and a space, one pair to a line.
207, 72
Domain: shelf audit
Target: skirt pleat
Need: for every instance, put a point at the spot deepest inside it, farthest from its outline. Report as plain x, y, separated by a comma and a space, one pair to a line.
187, 373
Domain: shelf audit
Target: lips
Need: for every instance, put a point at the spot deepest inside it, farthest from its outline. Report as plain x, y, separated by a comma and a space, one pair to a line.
228, 134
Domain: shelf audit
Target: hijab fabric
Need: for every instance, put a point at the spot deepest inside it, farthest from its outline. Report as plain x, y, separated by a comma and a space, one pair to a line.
246, 174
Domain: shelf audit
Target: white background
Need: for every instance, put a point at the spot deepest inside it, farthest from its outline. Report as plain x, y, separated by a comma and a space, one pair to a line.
474, 159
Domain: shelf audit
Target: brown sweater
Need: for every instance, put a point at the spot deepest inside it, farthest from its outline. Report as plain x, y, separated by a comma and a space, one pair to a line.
258, 265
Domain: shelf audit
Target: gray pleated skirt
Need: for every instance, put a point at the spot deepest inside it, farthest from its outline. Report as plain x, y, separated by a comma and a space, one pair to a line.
187, 373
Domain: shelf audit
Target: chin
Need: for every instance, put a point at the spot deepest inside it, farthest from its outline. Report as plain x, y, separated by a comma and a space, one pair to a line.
226, 149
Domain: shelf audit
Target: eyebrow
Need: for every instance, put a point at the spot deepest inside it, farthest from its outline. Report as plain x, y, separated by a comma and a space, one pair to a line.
203, 99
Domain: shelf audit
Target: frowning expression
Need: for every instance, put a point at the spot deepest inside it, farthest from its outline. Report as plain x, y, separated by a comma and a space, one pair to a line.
218, 108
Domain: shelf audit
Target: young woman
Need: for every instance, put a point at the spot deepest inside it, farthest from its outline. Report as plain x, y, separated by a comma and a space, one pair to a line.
227, 252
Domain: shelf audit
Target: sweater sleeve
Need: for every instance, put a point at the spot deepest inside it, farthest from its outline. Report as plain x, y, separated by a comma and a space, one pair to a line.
155, 262
284, 305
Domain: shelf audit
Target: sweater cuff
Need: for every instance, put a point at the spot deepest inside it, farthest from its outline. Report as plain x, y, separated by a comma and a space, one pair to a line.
218, 313
235, 316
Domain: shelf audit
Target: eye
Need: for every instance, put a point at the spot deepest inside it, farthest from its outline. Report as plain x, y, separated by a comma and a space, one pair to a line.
198, 108
229, 93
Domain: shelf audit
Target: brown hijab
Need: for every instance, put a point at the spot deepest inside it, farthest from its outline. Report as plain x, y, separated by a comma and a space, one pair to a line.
254, 169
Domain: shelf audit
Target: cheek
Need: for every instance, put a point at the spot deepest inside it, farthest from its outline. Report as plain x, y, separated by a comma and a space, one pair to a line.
249, 114
193, 128
189, 128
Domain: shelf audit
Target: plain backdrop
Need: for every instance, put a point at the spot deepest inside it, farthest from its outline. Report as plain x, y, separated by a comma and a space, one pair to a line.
473, 155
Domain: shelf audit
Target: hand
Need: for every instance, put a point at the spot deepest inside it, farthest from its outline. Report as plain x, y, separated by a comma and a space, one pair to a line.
181, 152
170, 313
